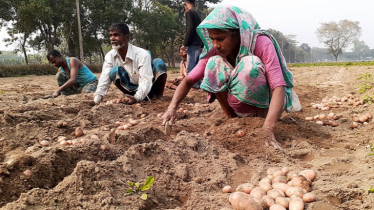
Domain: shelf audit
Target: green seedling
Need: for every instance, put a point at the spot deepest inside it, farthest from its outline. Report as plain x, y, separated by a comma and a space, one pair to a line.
371, 190
2, 92
371, 150
136, 188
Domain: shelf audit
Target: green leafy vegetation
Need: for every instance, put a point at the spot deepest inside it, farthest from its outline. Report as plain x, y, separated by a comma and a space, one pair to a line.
137, 188
365, 87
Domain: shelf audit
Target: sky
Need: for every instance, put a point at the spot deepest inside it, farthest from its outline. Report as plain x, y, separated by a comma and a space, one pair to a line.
299, 17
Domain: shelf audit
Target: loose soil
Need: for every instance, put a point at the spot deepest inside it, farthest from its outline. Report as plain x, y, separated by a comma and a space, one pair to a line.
192, 164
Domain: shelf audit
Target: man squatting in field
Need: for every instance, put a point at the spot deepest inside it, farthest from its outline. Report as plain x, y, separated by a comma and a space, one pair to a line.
130, 69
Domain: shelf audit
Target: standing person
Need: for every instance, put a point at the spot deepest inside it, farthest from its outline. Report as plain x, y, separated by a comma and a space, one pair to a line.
130, 69
192, 41
173, 84
73, 76
243, 68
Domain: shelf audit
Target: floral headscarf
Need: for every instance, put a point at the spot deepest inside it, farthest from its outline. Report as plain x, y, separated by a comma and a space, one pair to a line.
231, 17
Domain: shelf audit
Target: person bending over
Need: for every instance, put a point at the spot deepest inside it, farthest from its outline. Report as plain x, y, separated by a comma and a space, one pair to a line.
73, 76
242, 67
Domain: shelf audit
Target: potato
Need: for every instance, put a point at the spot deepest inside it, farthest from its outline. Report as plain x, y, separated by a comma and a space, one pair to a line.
265, 186
291, 174
369, 115
363, 118
296, 191
27, 173
285, 170
226, 189
242, 201
271, 170
280, 179
319, 122
94, 137
309, 174
239, 134
64, 143
322, 116
276, 207
281, 186
309, 118
300, 181
309, 197
61, 138
118, 123
246, 188
354, 125
78, 132
279, 173
133, 122
296, 203
275, 193
44, 143
267, 201
282, 201
257, 192
266, 179
334, 123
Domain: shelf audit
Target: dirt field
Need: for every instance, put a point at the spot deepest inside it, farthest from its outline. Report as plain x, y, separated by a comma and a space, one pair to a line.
192, 164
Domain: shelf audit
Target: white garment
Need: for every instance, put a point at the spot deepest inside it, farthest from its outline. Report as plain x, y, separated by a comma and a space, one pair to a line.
138, 66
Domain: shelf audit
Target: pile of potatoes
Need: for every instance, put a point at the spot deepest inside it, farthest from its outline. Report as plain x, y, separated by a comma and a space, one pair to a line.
131, 122
322, 119
282, 189
335, 102
357, 119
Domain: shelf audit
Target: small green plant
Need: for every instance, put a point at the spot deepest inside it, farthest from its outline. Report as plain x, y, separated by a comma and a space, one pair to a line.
371, 147
136, 188
2, 92
370, 190
367, 82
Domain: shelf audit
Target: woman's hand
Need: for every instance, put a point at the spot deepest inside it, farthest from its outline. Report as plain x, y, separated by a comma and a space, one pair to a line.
56, 93
267, 135
169, 115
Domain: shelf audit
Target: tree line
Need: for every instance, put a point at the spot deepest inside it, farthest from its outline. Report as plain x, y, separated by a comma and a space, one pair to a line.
159, 25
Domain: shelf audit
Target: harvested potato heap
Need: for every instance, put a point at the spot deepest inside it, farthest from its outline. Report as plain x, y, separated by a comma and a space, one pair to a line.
280, 190
335, 102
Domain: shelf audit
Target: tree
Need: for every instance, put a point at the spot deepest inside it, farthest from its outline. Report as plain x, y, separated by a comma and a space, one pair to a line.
360, 49
6, 12
338, 36
305, 51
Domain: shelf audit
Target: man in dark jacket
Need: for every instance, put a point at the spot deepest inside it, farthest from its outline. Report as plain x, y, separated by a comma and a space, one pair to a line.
192, 40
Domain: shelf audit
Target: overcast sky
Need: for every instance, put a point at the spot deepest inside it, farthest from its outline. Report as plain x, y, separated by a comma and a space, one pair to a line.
300, 17
303, 17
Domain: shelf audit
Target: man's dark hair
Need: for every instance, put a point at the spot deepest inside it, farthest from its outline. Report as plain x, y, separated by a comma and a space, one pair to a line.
120, 26
191, 1
54, 53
